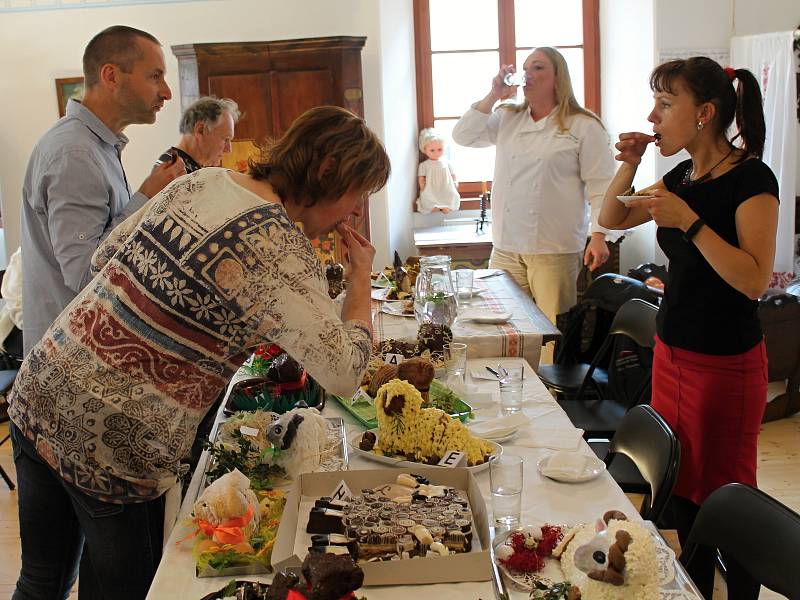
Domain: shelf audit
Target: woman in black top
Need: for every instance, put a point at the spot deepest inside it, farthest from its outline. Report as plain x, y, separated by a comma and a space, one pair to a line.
717, 216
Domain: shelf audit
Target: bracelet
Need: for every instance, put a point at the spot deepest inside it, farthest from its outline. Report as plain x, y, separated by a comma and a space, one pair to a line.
693, 229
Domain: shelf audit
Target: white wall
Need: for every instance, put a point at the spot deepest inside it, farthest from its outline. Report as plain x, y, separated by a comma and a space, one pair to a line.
398, 87
37, 47
626, 99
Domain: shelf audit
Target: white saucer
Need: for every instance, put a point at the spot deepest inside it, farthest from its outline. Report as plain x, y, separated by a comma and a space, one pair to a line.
592, 467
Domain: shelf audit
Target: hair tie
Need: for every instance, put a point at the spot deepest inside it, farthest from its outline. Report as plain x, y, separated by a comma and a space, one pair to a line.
730, 72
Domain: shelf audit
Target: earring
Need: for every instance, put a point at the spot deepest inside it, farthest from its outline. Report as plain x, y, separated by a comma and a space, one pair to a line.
700, 125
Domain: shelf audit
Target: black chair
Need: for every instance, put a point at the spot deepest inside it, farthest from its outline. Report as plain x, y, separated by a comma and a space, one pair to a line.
758, 536
601, 416
585, 329
643, 457
780, 319
646, 270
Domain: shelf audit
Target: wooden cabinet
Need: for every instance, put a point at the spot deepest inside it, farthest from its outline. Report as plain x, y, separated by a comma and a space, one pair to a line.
274, 83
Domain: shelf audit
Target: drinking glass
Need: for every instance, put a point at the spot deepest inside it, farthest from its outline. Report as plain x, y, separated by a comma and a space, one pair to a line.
455, 359
505, 483
511, 387
517, 78
464, 279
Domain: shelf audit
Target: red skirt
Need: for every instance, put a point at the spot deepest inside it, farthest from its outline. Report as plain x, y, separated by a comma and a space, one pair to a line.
715, 405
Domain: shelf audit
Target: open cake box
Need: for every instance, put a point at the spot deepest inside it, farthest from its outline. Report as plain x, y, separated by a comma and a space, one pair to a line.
469, 566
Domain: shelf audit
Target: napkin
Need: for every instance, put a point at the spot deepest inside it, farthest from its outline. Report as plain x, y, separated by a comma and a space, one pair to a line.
484, 316
481, 373
555, 438
570, 465
501, 426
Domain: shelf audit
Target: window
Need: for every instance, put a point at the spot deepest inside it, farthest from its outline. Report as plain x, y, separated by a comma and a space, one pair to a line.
460, 45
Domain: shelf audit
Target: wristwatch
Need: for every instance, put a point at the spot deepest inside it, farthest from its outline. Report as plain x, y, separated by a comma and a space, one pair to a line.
693, 229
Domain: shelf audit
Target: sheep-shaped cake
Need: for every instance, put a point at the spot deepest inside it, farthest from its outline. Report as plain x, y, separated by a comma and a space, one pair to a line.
421, 434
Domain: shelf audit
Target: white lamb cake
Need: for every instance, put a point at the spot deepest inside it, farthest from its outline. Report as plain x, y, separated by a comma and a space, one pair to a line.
612, 559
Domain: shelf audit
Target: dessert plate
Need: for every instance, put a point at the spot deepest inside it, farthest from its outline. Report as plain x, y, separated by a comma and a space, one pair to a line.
395, 307
381, 293
571, 467
355, 438
381, 281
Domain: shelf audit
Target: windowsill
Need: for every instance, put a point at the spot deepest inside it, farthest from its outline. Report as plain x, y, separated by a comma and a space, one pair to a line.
454, 232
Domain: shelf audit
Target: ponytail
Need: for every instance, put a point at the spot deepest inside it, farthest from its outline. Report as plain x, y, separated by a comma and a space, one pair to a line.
749, 113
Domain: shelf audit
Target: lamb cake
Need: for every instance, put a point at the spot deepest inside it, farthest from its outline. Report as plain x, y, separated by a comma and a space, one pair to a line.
419, 434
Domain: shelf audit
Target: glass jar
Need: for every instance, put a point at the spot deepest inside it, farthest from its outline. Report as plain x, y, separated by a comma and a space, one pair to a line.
434, 296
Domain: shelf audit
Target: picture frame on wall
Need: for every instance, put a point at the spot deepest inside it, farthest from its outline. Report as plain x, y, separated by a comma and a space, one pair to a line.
66, 88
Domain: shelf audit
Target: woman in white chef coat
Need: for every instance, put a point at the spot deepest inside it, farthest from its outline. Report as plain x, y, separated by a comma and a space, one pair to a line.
552, 157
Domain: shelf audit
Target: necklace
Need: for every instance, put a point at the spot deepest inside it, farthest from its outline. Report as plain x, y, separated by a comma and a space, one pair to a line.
687, 180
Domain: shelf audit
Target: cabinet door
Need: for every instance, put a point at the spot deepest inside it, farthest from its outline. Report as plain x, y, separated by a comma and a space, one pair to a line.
295, 92
252, 93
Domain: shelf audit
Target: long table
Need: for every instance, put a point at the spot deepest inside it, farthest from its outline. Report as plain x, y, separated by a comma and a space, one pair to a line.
543, 500
522, 336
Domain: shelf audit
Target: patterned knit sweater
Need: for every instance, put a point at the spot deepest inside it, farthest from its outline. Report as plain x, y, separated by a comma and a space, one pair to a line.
186, 289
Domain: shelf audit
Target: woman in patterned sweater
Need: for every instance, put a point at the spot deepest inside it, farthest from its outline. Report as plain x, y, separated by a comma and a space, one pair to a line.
105, 406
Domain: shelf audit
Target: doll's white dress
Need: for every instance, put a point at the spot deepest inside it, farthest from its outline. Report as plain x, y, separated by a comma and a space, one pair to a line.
440, 191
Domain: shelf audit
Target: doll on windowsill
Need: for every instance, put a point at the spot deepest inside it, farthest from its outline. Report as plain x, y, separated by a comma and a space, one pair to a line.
437, 182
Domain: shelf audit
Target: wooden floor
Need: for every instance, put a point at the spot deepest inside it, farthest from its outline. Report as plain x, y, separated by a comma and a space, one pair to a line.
778, 475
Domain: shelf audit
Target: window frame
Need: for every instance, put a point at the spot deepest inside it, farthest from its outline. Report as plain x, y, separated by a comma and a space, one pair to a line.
470, 190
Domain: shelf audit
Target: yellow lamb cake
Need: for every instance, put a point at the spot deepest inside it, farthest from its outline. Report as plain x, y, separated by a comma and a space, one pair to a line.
421, 434
628, 569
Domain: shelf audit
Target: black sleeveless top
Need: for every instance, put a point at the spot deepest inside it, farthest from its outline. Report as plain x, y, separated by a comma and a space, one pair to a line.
700, 311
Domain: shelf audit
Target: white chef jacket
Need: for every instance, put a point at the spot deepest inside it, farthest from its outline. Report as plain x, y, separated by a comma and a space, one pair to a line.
542, 178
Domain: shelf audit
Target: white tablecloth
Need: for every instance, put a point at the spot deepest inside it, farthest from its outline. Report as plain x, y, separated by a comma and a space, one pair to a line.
543, 500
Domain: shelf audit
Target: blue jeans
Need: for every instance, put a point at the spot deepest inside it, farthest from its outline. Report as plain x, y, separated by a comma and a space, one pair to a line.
115, 547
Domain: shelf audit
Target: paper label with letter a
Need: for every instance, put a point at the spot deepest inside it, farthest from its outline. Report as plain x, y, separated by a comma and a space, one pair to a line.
453, 458
342, 492
393, 359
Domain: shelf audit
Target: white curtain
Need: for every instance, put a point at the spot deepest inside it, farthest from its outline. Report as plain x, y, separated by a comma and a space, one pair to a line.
772, 61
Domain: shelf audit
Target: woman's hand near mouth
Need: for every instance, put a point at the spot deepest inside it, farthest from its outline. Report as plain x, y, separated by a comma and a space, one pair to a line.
632, 146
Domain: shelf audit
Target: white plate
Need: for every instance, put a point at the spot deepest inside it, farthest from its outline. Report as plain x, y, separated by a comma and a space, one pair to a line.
355, 438
381, 282
484, 316
626, 199
395, 307
592, 468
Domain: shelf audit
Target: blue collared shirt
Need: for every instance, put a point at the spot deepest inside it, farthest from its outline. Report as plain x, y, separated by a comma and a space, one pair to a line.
75, 192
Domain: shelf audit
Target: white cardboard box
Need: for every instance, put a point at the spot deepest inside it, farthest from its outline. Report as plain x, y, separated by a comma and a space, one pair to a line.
470, 566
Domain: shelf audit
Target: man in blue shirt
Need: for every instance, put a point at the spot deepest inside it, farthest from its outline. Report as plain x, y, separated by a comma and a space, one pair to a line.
75, 190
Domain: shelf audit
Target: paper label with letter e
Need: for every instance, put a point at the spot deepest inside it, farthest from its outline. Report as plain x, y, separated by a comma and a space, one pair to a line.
394, 359
361, 396
251, 431
453, 458
342, 492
